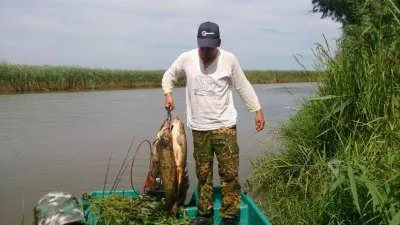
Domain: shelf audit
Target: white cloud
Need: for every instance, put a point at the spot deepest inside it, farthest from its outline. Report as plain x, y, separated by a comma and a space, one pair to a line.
151, 34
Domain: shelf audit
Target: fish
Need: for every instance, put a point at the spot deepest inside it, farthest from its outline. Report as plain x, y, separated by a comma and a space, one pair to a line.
179, 145
150, 185
164, 163
168, 161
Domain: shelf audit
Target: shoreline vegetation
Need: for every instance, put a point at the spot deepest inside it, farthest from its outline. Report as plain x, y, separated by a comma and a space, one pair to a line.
22, 78
339, 162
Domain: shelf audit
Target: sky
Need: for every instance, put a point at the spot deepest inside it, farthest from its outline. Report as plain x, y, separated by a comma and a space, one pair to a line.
139, 34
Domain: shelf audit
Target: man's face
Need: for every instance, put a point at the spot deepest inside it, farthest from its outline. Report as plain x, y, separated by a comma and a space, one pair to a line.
207, 54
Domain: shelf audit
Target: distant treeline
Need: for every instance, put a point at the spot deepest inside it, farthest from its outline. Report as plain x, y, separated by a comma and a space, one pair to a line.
19, 78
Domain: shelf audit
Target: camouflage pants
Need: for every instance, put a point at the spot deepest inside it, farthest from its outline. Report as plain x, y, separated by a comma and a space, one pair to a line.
222, 142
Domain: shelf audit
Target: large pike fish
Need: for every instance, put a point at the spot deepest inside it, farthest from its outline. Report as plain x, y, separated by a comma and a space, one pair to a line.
169, 156
179, 145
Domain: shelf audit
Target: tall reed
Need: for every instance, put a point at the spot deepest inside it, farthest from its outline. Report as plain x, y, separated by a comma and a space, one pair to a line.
18, 78
340, 159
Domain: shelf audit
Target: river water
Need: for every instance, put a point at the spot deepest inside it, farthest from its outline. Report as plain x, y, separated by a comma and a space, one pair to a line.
63, 141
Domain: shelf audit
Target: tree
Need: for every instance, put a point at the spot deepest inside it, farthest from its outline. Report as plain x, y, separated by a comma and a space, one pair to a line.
344, 11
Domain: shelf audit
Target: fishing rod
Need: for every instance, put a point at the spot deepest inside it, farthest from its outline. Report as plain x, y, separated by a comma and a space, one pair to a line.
118, 175
133, 160
126, 166
108, 168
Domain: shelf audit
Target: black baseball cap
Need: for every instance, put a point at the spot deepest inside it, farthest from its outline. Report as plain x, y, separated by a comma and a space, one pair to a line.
208, 35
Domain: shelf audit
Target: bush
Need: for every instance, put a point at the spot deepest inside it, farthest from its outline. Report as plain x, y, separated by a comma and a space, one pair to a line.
340, 162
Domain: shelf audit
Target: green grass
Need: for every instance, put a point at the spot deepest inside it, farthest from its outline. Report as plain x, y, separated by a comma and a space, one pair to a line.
281, 76
19, 78
340, 156
113, 210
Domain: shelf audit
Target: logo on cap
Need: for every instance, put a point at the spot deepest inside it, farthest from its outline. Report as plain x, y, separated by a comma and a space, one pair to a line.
205, 33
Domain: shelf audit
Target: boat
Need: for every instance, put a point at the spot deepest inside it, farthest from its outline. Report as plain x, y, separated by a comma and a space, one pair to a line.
250, 214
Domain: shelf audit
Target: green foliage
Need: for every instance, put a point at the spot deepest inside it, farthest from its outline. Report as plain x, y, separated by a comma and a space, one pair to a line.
15, 78
112, 210
280, 76
344, 11
340, 162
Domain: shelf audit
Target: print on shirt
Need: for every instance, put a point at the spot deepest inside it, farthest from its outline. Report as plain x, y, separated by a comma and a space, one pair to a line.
204, 86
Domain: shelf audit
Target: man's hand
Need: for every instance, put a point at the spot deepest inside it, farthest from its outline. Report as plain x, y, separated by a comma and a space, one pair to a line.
260, 122
169, 101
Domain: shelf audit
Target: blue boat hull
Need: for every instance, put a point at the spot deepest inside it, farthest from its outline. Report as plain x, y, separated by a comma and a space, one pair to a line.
250, 214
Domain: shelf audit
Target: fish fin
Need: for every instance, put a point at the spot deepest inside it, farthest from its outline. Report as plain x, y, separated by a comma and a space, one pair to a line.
180, 140
150, 181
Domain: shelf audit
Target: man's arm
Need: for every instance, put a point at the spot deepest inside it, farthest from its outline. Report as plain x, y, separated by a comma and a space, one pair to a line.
260, 122
170, 77
247, 94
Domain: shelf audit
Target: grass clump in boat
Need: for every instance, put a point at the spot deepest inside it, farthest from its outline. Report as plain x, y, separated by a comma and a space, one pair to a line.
116, 209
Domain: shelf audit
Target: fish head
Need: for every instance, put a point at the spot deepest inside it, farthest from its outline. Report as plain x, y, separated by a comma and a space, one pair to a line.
177, 124
164, 135
164, 125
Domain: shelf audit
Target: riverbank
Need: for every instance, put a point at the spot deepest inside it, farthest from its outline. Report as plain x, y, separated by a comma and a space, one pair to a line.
20, 78
339, 161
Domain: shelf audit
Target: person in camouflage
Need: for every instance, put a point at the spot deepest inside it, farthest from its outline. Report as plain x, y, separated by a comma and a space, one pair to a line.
211, 76
58, 208
223, 142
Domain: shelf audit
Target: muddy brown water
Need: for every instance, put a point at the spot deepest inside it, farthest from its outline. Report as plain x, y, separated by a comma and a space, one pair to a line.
62, 141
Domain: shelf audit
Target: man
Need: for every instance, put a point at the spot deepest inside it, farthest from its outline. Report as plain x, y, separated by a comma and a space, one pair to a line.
211, 73
58, 208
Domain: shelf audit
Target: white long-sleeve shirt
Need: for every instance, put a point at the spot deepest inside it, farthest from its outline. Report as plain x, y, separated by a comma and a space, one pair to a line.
209, 98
